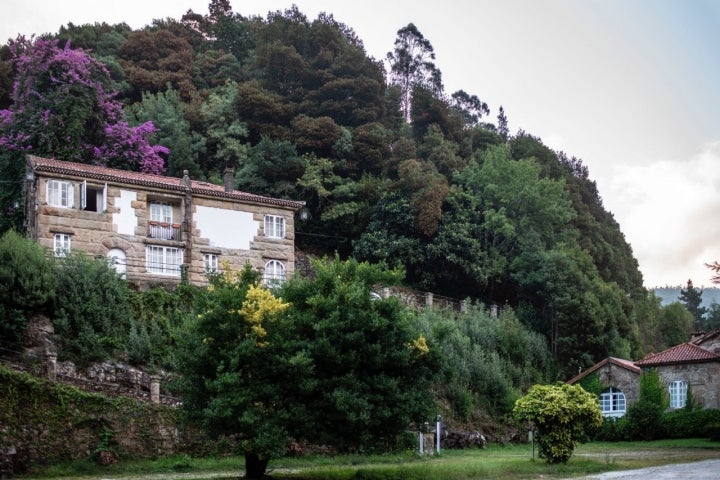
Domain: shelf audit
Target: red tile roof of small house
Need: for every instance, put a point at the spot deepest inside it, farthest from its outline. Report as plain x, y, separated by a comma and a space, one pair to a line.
620, 362
684, 353
104, 174
703, 337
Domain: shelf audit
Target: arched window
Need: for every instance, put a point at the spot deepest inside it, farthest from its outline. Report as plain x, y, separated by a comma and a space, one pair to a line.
612, 402
274, 273
117, 261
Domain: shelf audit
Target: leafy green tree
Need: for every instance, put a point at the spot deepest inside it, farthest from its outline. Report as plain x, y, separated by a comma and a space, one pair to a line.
469, 107
562, 415
27, 286
712, 318
325, 362
225, 131
165, 110
675, 324
236, 369
644, 417
92, 312
371, 368
691, 297
411, 64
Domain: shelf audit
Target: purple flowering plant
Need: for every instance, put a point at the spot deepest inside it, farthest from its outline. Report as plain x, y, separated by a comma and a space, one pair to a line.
63, 106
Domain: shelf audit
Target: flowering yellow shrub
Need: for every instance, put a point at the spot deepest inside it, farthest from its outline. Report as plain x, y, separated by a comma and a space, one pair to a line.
260, 305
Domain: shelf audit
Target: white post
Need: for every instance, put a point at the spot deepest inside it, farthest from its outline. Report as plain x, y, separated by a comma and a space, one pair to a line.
438, 434
421, 439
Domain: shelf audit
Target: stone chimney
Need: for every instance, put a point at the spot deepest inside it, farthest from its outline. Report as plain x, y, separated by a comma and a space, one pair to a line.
229, 178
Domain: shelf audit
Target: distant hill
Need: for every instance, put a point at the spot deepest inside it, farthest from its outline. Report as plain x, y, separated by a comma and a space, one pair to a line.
672, 294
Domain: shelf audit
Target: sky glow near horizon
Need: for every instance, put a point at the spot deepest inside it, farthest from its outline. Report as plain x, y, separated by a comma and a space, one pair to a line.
631, 88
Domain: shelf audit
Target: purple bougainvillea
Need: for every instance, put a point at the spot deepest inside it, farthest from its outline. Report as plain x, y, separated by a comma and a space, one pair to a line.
63, 107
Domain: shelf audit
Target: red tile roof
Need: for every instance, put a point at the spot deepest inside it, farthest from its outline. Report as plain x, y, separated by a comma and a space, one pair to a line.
620, 362
704, 337
683, 353
104, 174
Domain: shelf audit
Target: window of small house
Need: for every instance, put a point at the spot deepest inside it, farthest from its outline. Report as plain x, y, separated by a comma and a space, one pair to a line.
61, 245
612, 402
163, 260
678, 393
211, 263
274, 226
274, 273
59, 194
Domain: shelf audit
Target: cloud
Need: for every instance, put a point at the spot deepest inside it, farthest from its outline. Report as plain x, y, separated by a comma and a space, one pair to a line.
668, 212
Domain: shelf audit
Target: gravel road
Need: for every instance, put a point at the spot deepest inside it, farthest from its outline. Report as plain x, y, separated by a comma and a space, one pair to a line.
704, 470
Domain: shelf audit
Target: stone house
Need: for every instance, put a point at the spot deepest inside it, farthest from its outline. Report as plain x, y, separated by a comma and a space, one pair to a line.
691, 366
620, 377
155, 229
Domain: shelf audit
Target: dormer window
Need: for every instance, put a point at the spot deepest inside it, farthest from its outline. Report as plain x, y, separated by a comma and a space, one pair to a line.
274, 226
59, 194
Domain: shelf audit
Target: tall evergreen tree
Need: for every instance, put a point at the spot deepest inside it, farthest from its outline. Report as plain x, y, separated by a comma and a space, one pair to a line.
691, 297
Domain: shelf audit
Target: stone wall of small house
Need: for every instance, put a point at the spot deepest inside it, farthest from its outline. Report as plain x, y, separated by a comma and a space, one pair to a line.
621, 378
703, 380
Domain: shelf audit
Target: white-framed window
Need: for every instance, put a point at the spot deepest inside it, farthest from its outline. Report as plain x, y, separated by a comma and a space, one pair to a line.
61, 245
210, 260
164, 260
274, 226
274, 273
161, 212
612, 402
678, 393
93, 198
60, 193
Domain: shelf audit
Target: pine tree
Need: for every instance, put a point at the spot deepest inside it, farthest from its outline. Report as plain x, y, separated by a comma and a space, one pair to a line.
691, 297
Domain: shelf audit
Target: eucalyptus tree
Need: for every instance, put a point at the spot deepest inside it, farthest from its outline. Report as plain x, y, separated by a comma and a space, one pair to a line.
412, 64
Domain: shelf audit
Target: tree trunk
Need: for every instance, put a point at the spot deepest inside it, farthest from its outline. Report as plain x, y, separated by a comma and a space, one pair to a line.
255, 466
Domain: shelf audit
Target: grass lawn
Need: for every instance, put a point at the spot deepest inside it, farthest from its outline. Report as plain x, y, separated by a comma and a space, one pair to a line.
495, 462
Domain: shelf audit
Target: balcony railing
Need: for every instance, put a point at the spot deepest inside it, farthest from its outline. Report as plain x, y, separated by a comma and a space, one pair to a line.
165, 231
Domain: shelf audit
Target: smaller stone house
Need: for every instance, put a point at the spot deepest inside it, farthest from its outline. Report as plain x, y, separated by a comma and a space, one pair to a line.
687, 367
621, 380
692, 366
156, 229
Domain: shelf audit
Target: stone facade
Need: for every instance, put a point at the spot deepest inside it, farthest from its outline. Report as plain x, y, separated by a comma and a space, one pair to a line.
157, 230
703, 379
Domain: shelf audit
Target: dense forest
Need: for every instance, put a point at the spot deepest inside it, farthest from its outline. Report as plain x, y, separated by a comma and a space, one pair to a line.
392, 167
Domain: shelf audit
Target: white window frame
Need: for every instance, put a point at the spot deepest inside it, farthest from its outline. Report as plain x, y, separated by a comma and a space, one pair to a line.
161, 212
60, 193
613, 402
275, 226
211, 262
678, 393
161, 260
274, 273
61, 245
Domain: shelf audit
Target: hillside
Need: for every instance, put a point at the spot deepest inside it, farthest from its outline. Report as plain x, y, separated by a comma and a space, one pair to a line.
392, 167
669, 295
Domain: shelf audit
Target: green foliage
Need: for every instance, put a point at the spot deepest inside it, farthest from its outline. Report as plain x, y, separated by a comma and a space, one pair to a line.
675, 324
562, 414
689, 423
27, 286
92, 313
371, 369
485, 361
644, 417
691, 297
592, 384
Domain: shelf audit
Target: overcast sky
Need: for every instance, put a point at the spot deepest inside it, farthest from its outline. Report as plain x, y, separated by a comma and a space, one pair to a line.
631, 87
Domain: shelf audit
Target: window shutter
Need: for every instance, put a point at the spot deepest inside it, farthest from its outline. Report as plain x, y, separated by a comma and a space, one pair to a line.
83, 195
